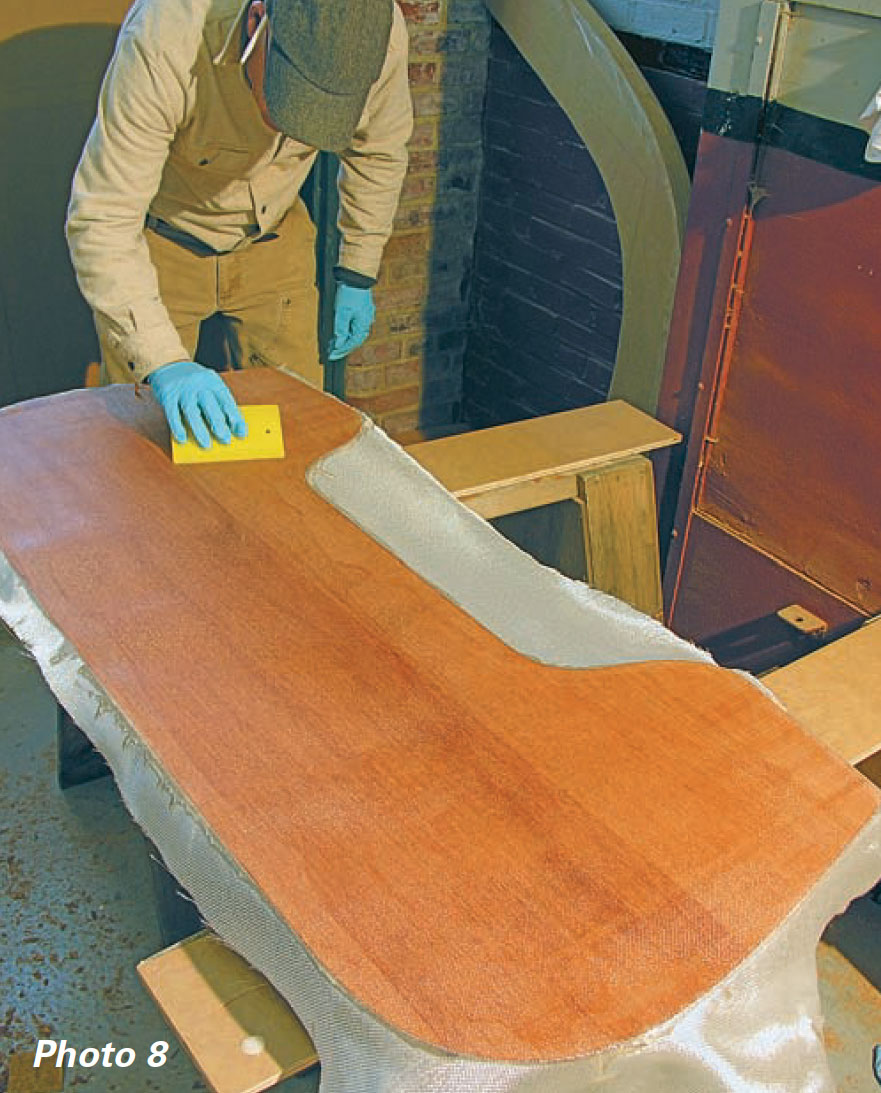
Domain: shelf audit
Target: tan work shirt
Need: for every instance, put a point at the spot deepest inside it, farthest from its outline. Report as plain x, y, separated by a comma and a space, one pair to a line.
178, 134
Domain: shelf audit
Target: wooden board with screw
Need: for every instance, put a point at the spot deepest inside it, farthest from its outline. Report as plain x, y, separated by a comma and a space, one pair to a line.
238, 1030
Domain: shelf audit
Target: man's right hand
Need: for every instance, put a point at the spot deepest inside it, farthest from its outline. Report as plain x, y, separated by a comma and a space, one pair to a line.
193, 395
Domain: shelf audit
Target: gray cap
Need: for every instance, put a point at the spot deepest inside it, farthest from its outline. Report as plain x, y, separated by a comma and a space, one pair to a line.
323, 57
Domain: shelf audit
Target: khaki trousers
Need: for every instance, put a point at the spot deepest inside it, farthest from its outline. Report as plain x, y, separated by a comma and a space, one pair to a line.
265, 294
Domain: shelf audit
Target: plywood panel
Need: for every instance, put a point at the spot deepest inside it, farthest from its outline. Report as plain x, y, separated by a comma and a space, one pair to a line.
836, 692
487, 460
499, 857
239, 1031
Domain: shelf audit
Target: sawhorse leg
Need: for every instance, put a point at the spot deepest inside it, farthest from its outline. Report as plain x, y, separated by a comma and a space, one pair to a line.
177, 913
608, 537
78, 760
621, 532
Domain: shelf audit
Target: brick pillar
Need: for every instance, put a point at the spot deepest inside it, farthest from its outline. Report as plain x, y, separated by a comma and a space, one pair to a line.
409, 374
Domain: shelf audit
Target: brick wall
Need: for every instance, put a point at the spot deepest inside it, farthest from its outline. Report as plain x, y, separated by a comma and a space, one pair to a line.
541, 288
546, 300
678, 76
546, 304
409, 374
691, 22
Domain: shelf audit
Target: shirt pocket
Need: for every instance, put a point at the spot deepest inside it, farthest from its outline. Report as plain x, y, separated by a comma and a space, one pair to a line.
232, 163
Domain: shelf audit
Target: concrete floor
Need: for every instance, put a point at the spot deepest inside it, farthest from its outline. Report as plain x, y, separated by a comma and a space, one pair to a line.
76, 909
76, 914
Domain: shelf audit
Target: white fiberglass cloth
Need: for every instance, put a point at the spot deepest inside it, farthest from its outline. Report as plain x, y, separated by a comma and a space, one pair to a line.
532, 608
757, 1030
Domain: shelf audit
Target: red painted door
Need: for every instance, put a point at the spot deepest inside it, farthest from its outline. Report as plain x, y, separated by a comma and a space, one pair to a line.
774, 364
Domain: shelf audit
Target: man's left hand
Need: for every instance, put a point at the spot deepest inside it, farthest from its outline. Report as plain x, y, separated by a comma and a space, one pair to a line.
353, 316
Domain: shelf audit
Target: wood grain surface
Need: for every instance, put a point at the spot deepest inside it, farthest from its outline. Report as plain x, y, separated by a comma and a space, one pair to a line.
835, 692
573, 441
501, 858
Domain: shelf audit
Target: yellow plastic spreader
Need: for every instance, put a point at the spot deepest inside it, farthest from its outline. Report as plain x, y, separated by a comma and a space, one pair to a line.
264, 441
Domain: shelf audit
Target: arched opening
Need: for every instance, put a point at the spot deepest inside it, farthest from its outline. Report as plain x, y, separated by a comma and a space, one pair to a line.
628, 179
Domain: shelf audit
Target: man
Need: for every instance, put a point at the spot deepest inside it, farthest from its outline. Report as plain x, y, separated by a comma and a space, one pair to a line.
185, 202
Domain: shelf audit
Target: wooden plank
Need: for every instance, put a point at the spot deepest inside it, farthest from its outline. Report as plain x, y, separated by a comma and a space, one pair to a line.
571, 441
621, 533
505, 500
835, 692
802, 620
24, 1077
464, 838
236, 1027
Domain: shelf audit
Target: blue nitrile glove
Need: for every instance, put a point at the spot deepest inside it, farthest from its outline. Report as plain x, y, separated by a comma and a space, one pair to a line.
353, 314
191, 393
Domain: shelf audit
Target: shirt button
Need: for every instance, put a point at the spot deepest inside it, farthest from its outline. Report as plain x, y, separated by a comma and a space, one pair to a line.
263, 209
